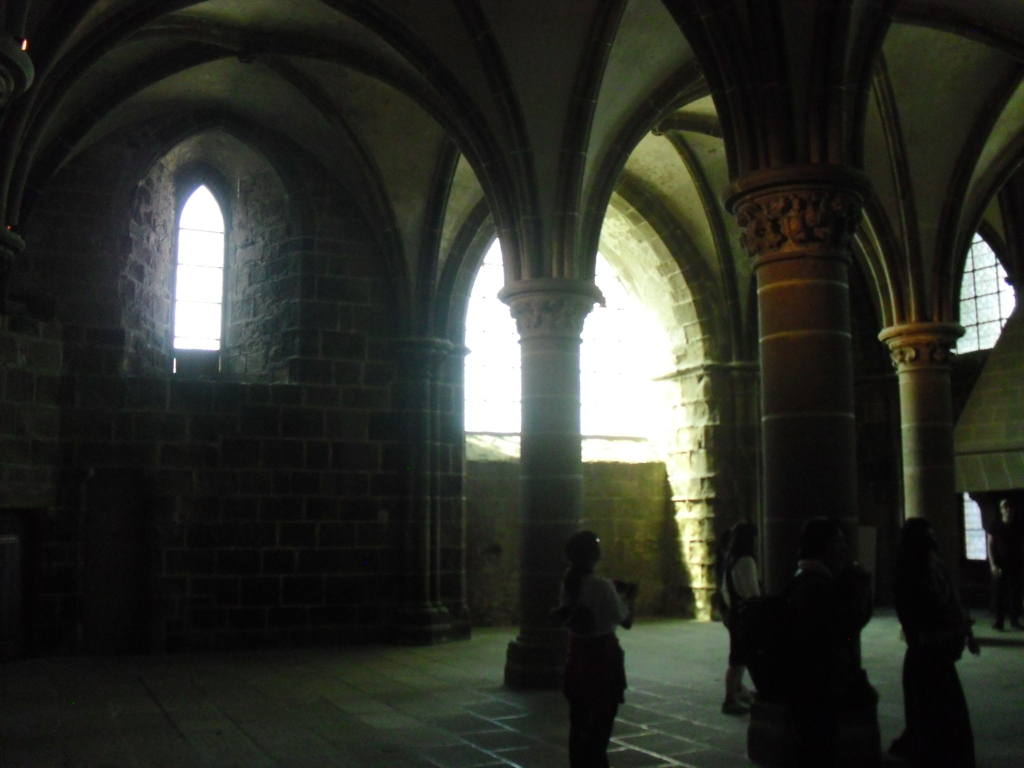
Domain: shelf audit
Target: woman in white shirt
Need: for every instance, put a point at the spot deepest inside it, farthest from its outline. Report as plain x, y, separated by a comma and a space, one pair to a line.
595, 672
741, 583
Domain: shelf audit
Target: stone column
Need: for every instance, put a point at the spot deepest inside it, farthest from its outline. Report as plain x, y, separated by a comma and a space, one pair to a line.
549, 315
797, 224
420, 620
16, 73
920, 352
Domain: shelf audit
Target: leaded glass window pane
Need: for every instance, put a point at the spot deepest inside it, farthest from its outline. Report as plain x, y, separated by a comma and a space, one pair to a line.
199, 277
986, 299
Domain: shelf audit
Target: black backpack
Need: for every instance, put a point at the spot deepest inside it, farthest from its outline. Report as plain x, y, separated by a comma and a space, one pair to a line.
763, 630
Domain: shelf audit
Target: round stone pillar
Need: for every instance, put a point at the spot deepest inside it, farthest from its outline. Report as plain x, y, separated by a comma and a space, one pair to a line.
549, 315
16, 74
920, 352
419, 620
797, 224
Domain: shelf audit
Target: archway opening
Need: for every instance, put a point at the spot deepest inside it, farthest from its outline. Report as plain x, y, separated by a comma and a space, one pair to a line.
623, 353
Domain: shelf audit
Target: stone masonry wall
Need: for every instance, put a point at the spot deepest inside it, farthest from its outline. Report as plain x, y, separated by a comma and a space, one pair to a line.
261, 279
712, 463
271, 510
30, 364
145, 281
627, 505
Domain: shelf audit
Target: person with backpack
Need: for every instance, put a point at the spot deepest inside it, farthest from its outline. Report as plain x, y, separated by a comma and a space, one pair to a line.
740, 583
829, 602
595, 673
937, 629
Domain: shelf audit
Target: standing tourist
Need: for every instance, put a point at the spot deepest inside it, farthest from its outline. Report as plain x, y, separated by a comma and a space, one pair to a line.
830, 602
595, 672
938, 725
1006, 559
739, 575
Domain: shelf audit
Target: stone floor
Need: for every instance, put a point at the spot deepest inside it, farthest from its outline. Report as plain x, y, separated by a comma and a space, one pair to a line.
440, 707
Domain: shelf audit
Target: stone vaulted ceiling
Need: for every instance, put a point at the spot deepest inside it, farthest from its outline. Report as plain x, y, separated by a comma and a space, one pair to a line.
541, 110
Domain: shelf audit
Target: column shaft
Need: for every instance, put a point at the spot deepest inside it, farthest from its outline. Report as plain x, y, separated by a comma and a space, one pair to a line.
549, 315
16, 75
920, 352
798, 225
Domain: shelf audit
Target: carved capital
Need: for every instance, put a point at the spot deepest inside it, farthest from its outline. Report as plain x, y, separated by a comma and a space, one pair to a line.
921, 345
800, 210
552, 308
797, 220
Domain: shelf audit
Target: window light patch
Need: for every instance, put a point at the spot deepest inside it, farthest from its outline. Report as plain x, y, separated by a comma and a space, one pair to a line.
202, 213
623, 349
199, 277
974, 531
986, 299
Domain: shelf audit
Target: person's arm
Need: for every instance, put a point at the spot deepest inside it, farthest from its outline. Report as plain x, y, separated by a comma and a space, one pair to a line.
744, 578
989, 541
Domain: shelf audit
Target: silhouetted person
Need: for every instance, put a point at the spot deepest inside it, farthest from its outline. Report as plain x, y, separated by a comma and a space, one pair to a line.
721, 558
829, 602
1006, 559
595, 672
739, 583
938, 732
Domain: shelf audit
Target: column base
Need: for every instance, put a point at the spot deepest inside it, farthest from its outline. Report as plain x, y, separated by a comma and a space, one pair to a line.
462, 626
533, 665
423, 625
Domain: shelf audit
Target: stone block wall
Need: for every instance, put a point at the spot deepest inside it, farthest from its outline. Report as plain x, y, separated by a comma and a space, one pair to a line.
712, 463
269, 495
628, 505
262, 527
30, 366
492, 541
146, 278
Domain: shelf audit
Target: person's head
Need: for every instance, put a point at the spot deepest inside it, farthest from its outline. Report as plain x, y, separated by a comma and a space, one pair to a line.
916, 543
822, 539
1006, 510
583, 550
742, 542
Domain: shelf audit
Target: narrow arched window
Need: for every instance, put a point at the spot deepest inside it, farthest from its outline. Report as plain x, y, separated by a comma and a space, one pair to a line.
986, 299
199, 274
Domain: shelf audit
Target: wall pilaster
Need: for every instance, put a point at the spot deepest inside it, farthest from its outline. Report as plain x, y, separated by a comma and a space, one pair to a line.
421, 617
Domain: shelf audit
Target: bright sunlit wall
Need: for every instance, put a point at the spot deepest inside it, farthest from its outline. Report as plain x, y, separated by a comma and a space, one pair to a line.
199, 276
624, 349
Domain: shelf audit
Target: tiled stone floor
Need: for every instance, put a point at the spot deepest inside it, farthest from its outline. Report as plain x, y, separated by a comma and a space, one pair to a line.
440, 707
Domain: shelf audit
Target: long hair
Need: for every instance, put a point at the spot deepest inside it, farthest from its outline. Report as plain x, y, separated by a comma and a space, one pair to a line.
742, 542
817, 536
582, 550
916, 543
722, 548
